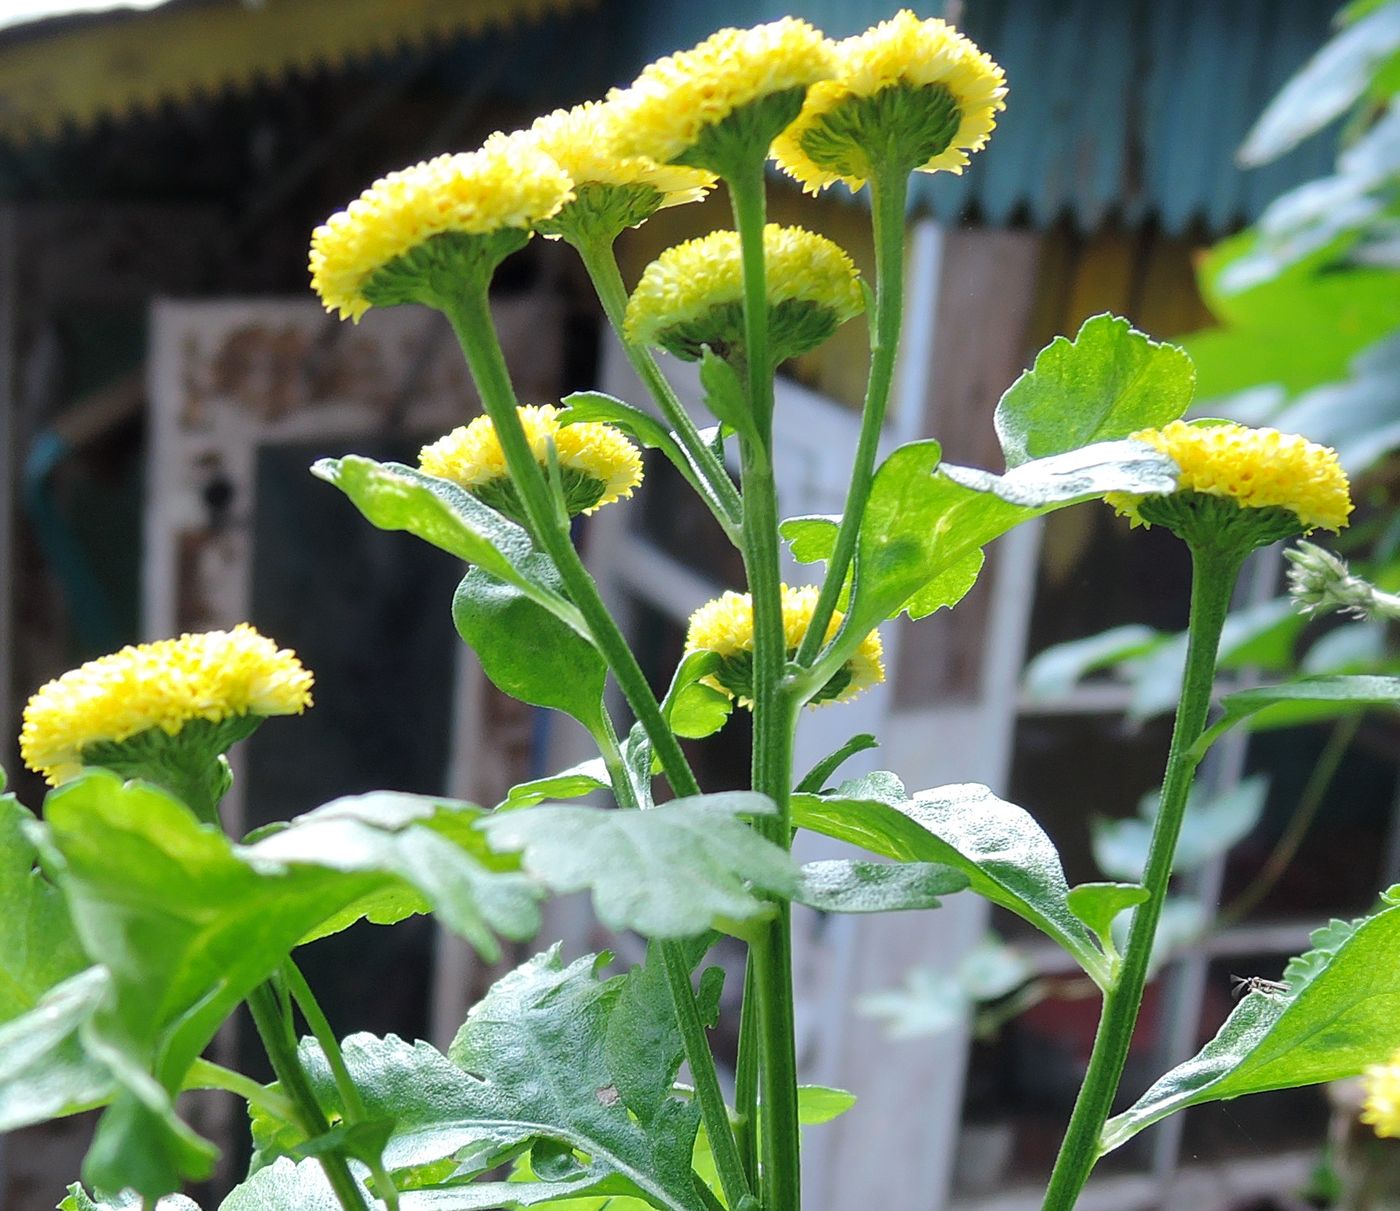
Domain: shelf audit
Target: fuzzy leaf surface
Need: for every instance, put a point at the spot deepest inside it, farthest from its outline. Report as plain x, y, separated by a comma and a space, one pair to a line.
842, 885
1004, 853
535, 1061
667, 872
1108, 382
1342, 1018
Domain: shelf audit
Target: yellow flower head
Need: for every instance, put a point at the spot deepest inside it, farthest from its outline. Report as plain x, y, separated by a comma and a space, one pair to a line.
916, 88
676, 99
212, 676
1382, 1108
584, 140
692, 294
1255, 468
597, 464
509, 184
725, 626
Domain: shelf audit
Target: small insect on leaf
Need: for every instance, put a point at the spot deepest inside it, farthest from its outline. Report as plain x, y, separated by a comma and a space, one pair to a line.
1242, 985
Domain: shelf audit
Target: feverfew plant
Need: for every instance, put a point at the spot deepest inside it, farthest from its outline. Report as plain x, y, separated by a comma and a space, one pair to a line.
132, 926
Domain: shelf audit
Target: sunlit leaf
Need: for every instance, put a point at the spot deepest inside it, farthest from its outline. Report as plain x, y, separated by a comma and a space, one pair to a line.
815, 780
1345, 1017
527, 652
572, 783
693, 709
668, 872
1097, 904
1305, 700
1005, 854
78, 1199
1107, 383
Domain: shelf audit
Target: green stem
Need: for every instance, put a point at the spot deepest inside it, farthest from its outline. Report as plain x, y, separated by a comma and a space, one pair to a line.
205, 1074
773, 709
708, 1093
281, 1050
470, 316
746, 1077
718, 489
888, 198
350, 1100
1213, 581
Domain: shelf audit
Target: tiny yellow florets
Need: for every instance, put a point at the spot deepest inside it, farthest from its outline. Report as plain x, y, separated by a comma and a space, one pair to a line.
167, 684
901, 51
471, 455
677, 97
1382, 1108
509, 182
725, 626
1256, 468
690, 280
584, 142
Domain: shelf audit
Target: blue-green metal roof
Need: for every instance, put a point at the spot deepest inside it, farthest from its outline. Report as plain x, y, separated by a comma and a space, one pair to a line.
1128, 109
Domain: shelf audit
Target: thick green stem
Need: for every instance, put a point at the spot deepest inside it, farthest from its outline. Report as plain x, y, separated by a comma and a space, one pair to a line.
888, 197
718, 489
470, 316
281, 1050
350, 1100
1213, 581
708, 1093
774, 715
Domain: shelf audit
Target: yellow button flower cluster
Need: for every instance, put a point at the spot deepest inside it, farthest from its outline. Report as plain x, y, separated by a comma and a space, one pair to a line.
725, 626
1382, 1108
211, 676
1256, 468
508, 183
675, 99
932, 64
471, 456
692, 294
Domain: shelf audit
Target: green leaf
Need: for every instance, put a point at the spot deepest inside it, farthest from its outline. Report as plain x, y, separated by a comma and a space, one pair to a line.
527, 652
79, 1200
44, 1071
39, 947
1321, 697
534, 1061
817, 777
1213, 825
923, 523
811, 538
695, 710
842, 885
1005, 854
572, 783
395, 497
1334, 79
817, 1104
668, 872
724, 393
948, 587
285, 1185
1107, 383
433, 858
931, 1002
1344, 1018
1097, 904
188, 924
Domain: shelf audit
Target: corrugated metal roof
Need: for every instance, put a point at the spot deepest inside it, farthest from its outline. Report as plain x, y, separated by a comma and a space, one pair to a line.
1117, 108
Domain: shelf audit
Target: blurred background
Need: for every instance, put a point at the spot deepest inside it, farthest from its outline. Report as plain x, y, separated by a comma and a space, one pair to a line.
166, 379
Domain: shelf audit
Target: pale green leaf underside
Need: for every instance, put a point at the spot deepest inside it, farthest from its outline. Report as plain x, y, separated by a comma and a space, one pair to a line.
842, 885
1005, 854
667, 872
1343, 1019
